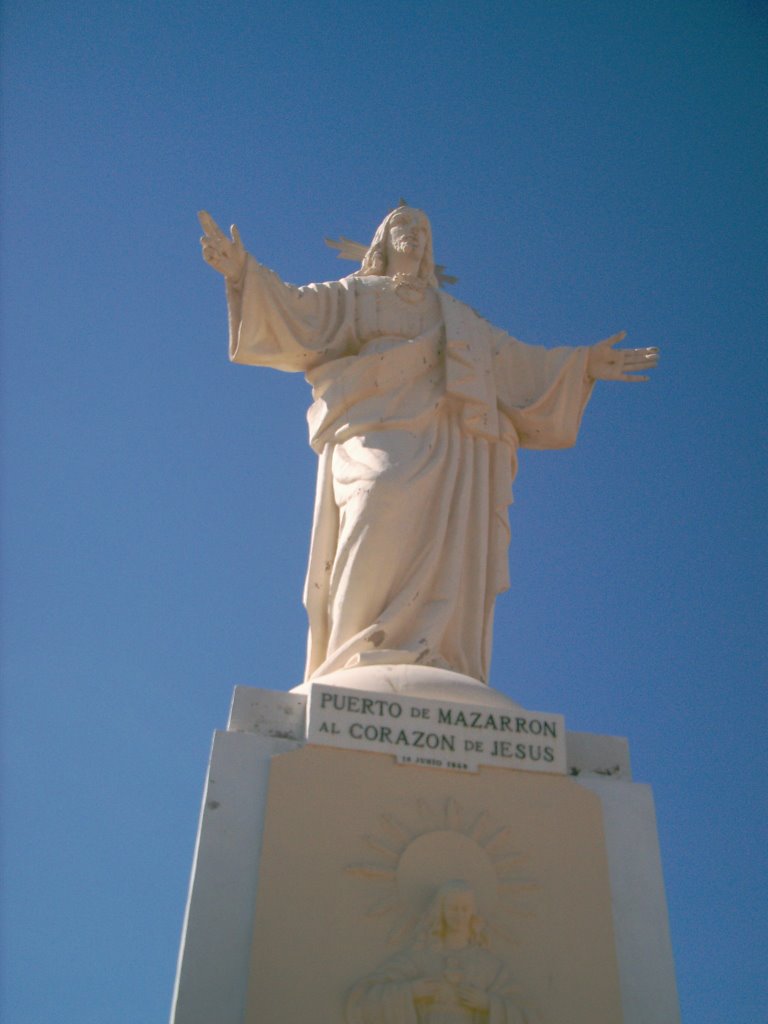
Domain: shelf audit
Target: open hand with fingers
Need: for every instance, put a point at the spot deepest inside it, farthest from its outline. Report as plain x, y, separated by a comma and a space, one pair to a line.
227, 255
605, 362
433, 368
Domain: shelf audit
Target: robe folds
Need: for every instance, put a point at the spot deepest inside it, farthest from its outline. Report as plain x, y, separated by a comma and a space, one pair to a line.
419, 409
386, 995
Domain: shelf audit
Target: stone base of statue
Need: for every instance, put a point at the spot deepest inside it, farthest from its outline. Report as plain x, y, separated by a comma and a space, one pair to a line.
404, 845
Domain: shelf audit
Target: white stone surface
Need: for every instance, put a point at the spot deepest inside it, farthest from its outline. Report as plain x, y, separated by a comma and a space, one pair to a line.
413, 681
420, 406
279, 716
641, 924
606, 756
436, 733
213, 973
355, 848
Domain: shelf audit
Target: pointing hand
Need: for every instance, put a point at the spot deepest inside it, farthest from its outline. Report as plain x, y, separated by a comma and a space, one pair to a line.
227, 255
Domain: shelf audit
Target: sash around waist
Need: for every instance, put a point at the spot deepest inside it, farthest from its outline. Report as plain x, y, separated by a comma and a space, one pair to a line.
385, 387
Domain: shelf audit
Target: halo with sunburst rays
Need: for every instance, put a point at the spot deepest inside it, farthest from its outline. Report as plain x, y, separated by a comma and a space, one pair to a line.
446, 842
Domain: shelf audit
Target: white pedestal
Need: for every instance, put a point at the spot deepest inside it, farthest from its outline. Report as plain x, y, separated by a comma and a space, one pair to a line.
586, 840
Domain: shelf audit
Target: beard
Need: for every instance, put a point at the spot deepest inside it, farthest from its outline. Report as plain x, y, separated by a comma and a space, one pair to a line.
405, 245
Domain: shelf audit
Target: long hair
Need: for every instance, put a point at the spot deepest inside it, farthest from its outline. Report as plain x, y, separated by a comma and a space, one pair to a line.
375, 260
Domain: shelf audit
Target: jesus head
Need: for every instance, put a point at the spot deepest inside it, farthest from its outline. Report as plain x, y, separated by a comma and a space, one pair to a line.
404, 239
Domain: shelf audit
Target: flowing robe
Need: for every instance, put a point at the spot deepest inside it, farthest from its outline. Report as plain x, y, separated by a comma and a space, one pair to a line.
386, 995
419, 409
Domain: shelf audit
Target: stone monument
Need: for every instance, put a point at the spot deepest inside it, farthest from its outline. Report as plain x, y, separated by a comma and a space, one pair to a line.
393, 841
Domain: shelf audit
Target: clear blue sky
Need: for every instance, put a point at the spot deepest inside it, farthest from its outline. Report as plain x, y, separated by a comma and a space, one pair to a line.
587, 167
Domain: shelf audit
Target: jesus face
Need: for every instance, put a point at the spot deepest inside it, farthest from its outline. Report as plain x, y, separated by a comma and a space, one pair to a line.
407, 234
458, 910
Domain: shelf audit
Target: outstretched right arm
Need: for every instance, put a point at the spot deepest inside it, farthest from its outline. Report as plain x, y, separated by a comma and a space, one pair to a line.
272, 323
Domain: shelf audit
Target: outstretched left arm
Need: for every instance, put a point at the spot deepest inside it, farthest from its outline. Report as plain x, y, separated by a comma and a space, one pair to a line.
605, 362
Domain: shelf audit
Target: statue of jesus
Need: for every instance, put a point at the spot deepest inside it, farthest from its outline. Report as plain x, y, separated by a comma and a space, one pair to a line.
420, 406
